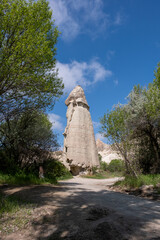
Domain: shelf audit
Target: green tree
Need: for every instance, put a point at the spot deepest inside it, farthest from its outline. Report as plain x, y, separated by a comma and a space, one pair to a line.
157, 76
113, 126
144, 123
27, 54
27, 139
134, 129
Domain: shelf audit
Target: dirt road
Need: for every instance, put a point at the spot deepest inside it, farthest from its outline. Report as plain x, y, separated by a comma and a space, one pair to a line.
85, 209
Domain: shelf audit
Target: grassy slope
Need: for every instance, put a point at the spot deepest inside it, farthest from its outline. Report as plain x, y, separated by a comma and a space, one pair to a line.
14, 213
104, 174
131, 182
27, 179
23, 179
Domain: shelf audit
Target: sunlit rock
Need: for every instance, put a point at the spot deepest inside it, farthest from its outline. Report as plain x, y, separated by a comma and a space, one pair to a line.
79, 141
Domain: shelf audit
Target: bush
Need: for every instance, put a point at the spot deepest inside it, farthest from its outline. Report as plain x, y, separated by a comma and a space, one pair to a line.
103, 166
100, 157
55, 170
132, 182
7, 165
20, 178
94, 170
116, 165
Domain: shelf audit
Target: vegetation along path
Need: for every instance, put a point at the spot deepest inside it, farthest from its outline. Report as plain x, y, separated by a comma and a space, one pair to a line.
82, 208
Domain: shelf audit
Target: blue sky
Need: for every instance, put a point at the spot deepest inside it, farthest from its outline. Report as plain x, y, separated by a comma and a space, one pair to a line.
107, 47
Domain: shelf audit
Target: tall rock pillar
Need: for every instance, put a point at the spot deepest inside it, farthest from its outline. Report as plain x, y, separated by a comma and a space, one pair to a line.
79, 141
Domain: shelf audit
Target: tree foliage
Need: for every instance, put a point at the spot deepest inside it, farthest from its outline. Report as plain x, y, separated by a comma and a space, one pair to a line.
134, 128
113, 126
27, 139
27, 53
29, 82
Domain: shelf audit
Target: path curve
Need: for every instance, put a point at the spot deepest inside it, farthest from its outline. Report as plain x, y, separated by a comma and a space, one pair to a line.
82, 208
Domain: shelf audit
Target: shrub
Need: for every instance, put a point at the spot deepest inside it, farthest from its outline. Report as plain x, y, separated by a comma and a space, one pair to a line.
55, 169
132, 182
116, 165
94, 170
103, 166
100, 157
7, 165
21, 178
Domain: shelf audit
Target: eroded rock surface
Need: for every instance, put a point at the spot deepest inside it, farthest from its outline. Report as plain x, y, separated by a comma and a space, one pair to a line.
79, 141
107, 152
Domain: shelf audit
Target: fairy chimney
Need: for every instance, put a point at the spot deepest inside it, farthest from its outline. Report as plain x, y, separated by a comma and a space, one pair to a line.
79, 141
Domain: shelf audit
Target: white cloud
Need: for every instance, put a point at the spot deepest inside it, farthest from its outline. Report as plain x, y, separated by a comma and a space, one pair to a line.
91, 15
110, 54
118, 19
64, 20
82, 73
75, 17
116, 82
100, 136
56, 122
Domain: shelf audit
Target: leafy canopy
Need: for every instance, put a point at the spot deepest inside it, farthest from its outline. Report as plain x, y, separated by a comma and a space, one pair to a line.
134, 128
27, 52
27, 136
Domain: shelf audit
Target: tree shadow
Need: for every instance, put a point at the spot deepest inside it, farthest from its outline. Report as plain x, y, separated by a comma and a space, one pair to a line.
88, 214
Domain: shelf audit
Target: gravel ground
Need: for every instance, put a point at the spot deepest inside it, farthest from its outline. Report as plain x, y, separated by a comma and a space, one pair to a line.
82, 208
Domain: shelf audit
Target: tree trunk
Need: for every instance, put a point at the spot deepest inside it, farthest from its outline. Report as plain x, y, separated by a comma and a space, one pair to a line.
156, 148
127, 162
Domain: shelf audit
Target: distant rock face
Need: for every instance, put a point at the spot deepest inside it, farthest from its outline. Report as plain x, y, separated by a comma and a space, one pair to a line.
106, 151
79, 141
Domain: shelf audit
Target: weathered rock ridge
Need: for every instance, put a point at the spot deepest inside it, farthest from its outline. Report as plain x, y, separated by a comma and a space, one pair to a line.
79, 141
107, 152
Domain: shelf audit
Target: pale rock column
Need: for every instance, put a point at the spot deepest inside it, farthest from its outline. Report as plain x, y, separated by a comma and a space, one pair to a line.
79, 141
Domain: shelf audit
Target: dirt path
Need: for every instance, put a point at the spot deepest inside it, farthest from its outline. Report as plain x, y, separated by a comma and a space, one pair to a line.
85, 209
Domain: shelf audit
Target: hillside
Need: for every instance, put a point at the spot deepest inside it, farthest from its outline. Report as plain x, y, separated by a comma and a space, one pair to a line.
106, 151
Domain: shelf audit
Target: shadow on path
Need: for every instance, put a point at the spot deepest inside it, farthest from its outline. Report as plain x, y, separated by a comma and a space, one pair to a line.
76, 213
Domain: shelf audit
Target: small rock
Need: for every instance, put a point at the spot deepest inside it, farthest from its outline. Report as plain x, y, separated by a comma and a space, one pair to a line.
158, 185
146, 188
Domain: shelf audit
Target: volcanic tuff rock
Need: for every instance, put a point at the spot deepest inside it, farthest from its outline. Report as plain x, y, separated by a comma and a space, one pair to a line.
79, 141
107, 152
